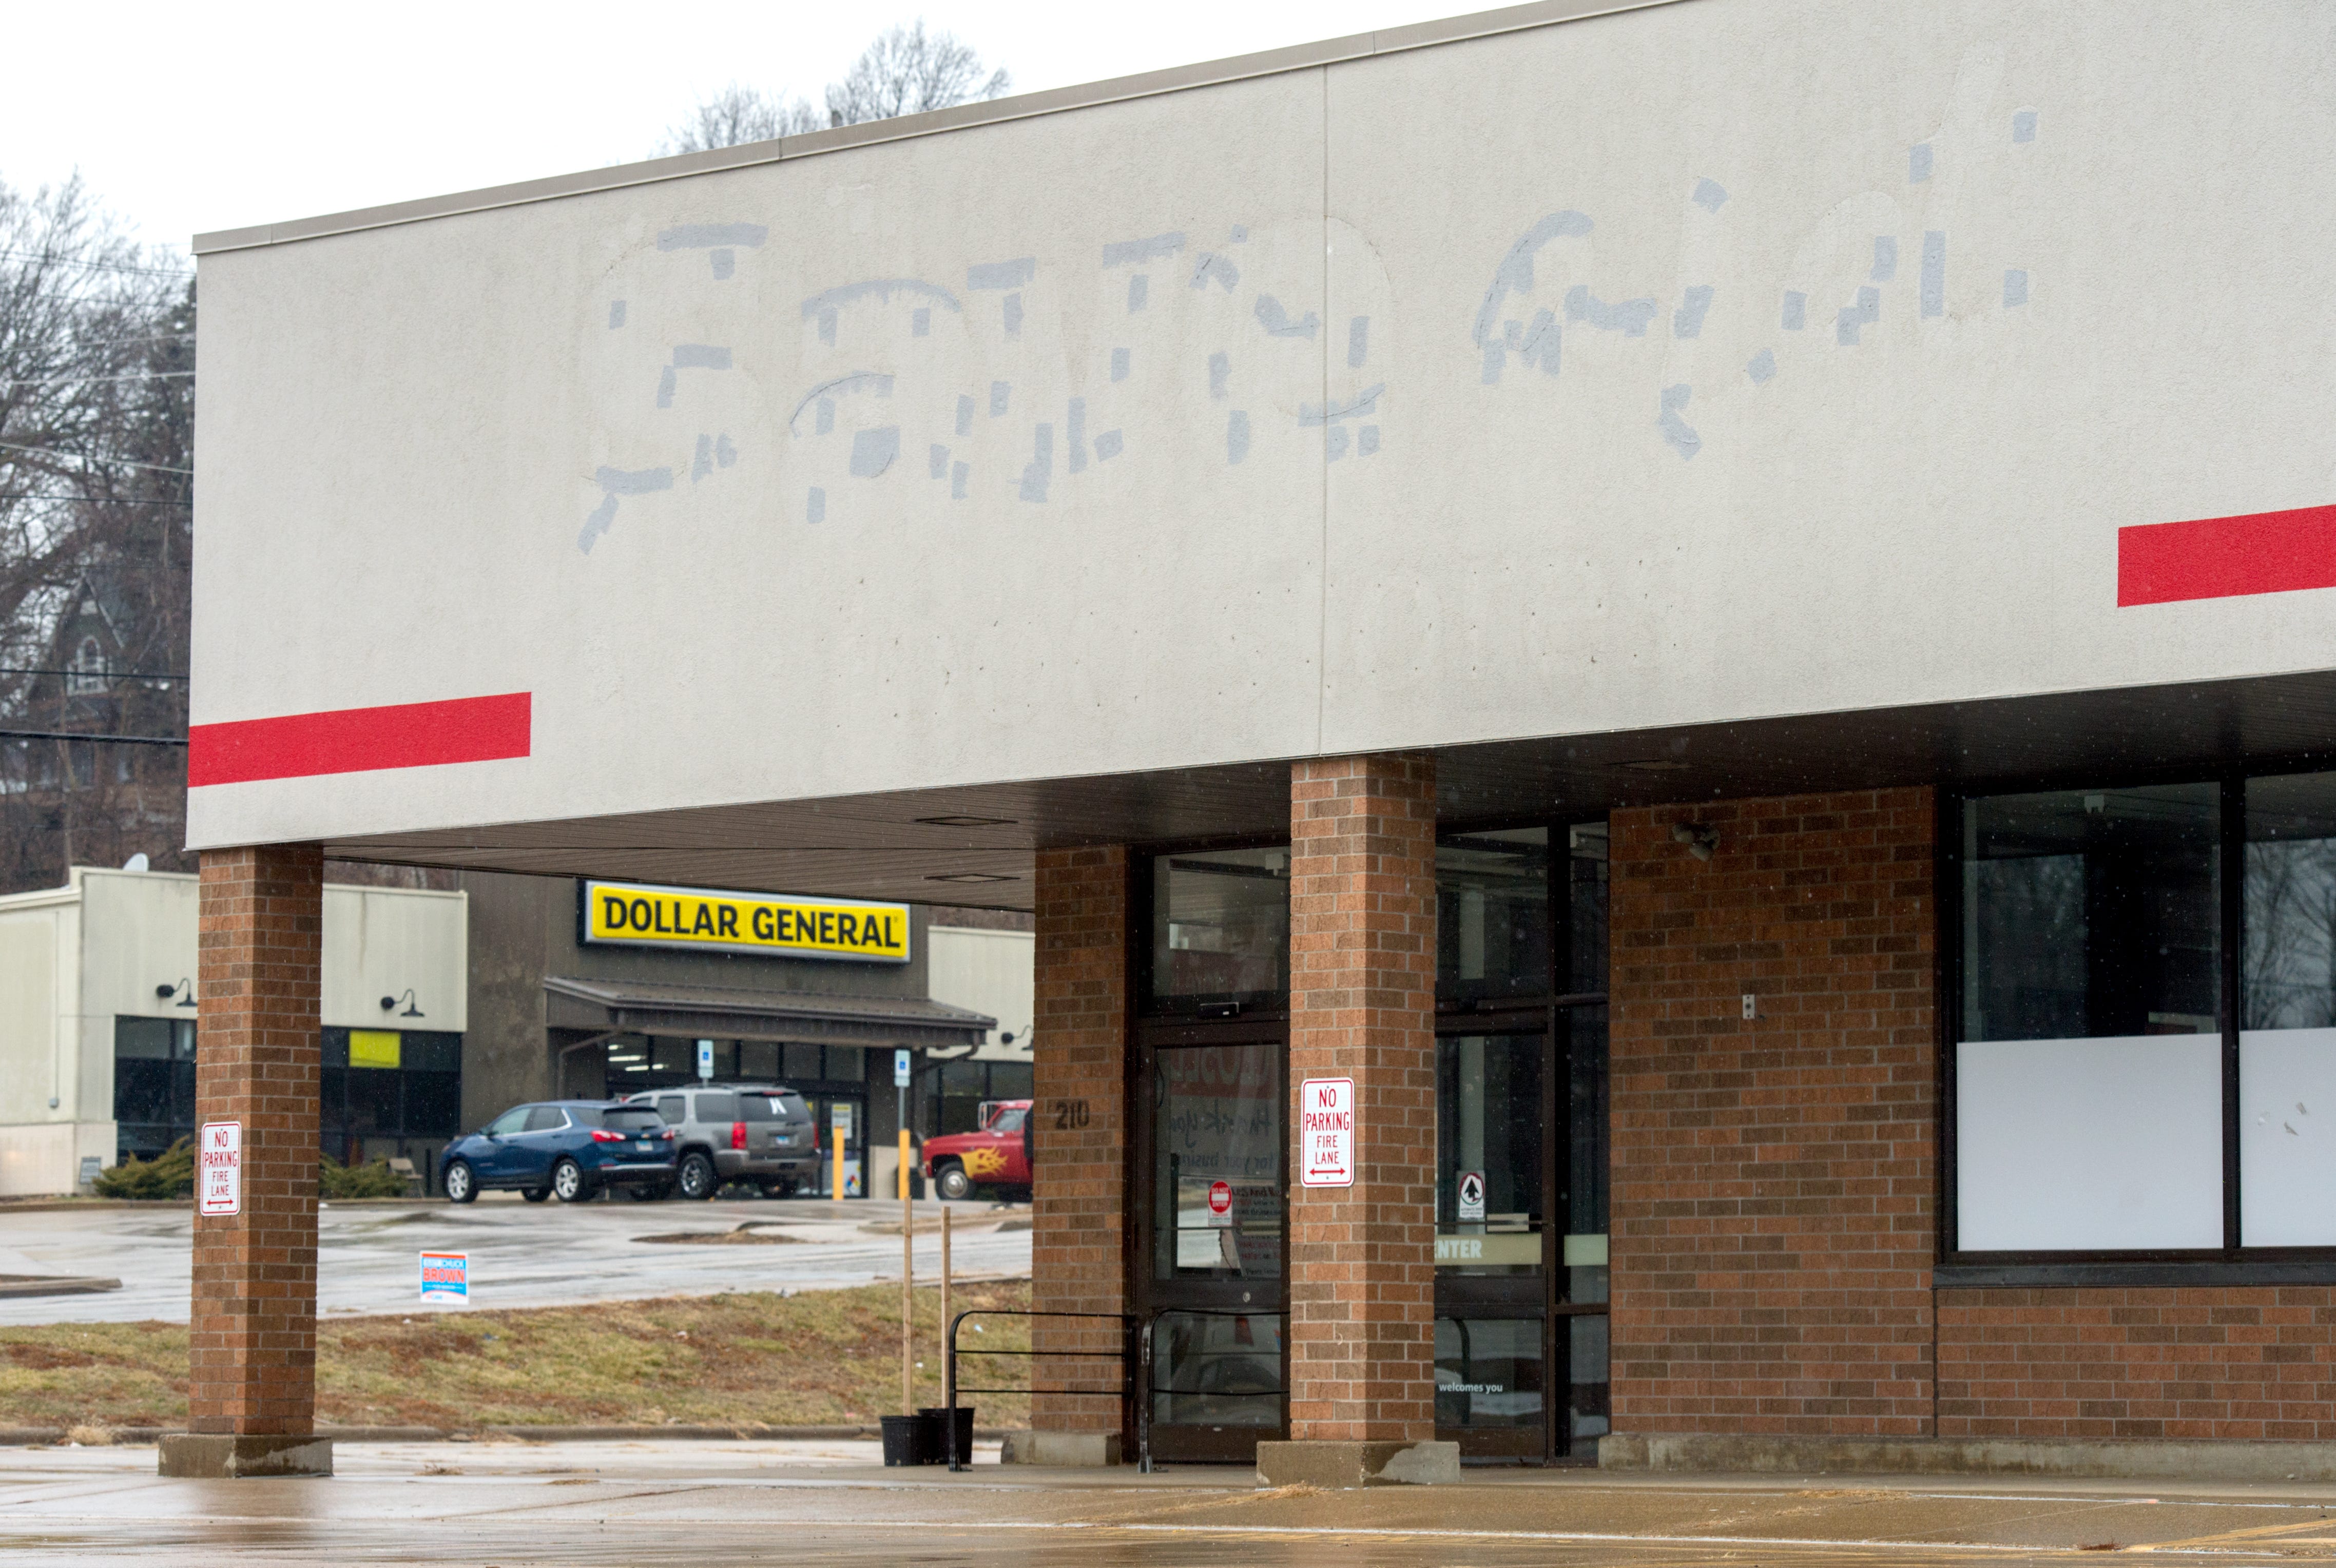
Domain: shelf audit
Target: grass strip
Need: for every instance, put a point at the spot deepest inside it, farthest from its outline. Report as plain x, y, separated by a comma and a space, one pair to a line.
817, 1357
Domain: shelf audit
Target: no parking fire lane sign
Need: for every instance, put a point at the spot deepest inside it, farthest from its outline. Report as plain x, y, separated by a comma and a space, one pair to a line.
1326, 1132
220, 1172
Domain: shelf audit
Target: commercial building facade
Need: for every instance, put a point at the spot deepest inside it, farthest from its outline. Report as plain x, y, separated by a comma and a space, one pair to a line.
99, 1009
561, 1012
1726, 682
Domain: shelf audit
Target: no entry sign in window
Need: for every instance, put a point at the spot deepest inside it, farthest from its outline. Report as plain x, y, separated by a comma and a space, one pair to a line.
1326, 1132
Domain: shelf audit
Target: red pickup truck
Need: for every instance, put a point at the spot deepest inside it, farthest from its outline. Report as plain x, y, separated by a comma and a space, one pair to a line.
997, 1154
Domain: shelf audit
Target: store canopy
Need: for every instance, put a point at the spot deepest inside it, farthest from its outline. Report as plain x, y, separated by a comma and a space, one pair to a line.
722, 1012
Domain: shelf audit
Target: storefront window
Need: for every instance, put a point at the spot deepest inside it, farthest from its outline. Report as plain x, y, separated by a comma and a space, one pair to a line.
2287, 1014
1588, 1401
383, 1084
1492, 915
1488, 1374
2090, 1064
957, 1090
1217, 1369
154, 1084
1584, 972
1221, 929
1218, 1180
1488, 1177
1582, 1252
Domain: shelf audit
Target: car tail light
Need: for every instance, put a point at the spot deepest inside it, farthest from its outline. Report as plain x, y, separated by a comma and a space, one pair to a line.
602, 1136
737, 1135
666, 1135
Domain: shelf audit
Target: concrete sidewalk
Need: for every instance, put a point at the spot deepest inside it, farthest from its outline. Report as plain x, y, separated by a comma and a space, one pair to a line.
508, 1503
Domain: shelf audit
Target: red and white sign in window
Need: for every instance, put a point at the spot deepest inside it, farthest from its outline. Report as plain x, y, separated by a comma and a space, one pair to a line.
1221, 1202
218, 1169
1326, 1132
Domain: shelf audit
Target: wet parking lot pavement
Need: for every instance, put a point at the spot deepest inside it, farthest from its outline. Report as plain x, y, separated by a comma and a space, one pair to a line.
510, 1504
522, 1255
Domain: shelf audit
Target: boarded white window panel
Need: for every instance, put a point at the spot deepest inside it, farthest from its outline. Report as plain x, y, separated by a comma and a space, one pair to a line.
2287, 1137
2089, 1145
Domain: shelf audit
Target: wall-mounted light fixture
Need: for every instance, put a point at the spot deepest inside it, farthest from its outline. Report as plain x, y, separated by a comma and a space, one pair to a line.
413, 1009
184, 990
1701, 838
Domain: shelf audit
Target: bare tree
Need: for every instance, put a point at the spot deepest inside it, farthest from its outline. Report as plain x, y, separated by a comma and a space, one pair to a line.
96, 402
737, 115
909, 70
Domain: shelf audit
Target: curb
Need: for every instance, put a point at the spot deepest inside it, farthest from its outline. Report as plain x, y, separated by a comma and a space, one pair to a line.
91, 1205
37, 1436
16, 1285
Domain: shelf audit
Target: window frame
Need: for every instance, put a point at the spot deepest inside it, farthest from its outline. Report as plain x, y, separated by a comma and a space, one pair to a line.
2232, 1263
1145, 1004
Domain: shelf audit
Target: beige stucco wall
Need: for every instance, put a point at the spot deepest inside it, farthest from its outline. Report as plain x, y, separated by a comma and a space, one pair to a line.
1636, 528
989, 971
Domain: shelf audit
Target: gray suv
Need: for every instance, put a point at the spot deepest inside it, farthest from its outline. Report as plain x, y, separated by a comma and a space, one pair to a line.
756, 1132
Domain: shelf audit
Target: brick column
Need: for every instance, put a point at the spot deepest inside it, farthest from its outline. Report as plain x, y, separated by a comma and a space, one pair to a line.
1362, 1005
251, 1398
1078, 1239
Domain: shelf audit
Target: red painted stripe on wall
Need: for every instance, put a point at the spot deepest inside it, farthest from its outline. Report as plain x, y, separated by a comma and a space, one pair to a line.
2225, 557
361, 739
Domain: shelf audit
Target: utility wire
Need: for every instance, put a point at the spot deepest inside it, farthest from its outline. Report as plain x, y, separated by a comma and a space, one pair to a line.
95, 500
106, 674
92, 380
69, 735
99, 266
118, 461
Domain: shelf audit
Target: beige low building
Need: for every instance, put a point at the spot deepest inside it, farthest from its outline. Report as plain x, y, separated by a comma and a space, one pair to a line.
97, 1023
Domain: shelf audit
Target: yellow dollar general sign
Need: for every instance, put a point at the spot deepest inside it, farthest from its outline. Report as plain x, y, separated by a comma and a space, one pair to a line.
631, 915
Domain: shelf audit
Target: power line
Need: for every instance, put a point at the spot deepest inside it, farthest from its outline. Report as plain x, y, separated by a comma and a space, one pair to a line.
66, 734
95, 500
93, 674
101, 266
118, 461
93, 380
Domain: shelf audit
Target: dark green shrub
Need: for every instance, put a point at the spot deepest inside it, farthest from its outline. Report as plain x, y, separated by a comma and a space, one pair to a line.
169, 1174
377, 1180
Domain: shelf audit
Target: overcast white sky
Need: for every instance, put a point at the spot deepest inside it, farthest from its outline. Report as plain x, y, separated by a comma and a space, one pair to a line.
189, 118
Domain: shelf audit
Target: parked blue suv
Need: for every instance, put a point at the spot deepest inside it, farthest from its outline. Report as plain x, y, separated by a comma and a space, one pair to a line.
571, 1147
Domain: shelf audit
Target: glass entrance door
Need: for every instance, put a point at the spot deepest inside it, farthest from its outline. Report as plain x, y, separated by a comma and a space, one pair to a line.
1214, 1239
1520, 1298
1492, 1170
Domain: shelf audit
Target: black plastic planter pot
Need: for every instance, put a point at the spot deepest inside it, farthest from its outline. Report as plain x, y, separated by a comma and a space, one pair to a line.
939, 1414
911, 1440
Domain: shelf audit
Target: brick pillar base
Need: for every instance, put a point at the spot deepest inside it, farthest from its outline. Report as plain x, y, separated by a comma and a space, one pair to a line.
1079, 1197
251, 1390
1362, 1005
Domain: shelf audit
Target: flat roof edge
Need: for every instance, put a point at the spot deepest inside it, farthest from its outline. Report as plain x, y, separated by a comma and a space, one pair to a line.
1026, 106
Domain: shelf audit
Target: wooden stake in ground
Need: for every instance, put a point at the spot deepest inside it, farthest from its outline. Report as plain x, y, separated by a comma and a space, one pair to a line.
908, 1304
955, 1458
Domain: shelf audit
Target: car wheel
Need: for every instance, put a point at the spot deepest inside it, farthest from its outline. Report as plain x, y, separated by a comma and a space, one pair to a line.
568, 1180
462, 1182
953, 1181
698, 1178
535, 1194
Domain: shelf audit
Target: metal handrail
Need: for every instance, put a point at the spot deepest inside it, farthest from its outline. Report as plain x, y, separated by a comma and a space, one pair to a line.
1126, 1371
1144, 1464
